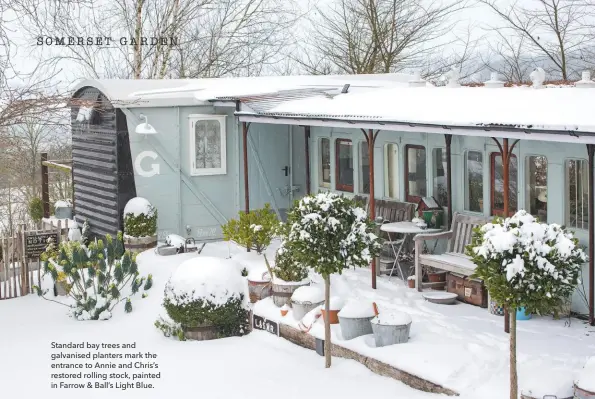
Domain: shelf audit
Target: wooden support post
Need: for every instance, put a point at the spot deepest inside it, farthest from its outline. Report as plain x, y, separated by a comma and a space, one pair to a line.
45, 187
245, 127
307, 138
591, 153
370, 136
448, 139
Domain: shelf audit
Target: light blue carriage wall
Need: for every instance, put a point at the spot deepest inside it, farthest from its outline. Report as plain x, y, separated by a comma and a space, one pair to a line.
202, 202
557, 155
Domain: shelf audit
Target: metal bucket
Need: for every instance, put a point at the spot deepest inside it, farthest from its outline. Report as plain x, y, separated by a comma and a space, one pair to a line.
355, 327
300, 309
385, 334
282, 293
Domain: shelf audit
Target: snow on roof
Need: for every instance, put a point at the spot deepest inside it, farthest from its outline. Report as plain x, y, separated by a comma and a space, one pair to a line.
149, 92
559, 108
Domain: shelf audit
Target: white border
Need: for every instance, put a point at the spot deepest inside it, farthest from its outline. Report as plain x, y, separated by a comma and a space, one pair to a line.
193, 118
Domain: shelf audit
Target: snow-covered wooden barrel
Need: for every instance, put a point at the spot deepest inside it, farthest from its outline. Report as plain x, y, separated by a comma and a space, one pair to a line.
139, 244
202, 332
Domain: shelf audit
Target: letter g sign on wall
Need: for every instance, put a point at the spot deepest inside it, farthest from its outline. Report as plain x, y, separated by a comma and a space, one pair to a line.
154, 170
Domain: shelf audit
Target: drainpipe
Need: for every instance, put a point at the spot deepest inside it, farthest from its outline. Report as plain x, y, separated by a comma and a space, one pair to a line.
245, 154
370, 136
307, 138
591, 152
290, 165
448, 138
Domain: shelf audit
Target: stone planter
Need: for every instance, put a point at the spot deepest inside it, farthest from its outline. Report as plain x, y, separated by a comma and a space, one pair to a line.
139, 244
282, 291
391, 329
202, 332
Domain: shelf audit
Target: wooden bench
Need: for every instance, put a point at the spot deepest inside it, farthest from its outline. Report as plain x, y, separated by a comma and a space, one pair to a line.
454, 259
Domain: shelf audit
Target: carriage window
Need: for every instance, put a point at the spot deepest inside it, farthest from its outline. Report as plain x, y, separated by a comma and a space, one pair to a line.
415, 173
344, 165
537, 187
497, 185
474, 181
324, 171
391, 175
207, 145
364, 168
439, 186
577, 194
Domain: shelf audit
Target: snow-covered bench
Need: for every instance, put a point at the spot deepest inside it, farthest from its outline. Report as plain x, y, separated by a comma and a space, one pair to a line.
454, 259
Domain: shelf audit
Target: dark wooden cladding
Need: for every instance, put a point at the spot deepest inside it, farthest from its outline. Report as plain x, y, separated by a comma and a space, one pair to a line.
102, 166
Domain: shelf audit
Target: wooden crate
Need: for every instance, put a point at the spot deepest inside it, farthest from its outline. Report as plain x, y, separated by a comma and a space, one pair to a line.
475, 292
455, 283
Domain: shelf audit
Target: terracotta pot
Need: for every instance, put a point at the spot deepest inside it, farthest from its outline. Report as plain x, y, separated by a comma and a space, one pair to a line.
411, 283
333, 316
438, 277
284, 312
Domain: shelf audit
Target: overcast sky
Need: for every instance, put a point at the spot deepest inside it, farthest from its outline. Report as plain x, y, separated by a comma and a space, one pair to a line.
28, 52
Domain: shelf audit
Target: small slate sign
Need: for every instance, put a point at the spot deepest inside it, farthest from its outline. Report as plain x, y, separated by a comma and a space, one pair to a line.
260, 323
37, 241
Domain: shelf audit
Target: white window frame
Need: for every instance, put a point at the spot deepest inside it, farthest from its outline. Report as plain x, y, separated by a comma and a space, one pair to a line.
321, 182
467, 189
397, 171
567, 194
194, 171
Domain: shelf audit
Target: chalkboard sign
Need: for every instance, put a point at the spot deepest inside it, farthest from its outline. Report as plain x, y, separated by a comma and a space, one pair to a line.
37, 241
260, 323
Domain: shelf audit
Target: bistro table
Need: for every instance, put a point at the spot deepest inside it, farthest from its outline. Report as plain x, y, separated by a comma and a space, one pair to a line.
409, 230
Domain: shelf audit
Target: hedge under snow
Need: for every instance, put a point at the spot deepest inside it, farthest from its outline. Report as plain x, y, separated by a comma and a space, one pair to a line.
212, 279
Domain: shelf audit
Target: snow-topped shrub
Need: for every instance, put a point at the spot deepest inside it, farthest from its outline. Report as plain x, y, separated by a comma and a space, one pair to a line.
206, 290
96, 278
329, 233
287, 268
140, 218
255, 229
525, 263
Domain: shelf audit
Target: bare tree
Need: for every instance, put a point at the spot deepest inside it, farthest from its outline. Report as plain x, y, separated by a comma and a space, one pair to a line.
556, 33
193, 38
507, 57
380, 36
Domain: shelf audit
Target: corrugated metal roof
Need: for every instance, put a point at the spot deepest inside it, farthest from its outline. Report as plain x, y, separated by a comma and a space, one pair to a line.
265, 102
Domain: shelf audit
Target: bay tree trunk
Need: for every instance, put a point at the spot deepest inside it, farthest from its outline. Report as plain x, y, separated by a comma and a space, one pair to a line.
514, 386
327, 322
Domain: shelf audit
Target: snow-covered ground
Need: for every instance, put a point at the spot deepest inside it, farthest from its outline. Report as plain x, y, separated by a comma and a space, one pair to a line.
461, 347
255, 366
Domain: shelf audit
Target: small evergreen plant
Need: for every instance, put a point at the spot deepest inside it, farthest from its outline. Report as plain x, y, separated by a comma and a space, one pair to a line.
96, 277
287, 268
255, 229
36, 209
526, 264
141, 225
329, 233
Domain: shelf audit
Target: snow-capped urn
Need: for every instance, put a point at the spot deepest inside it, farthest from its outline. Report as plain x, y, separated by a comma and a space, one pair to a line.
453, 77
586, 81
537, 77
494, 81
74, 232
